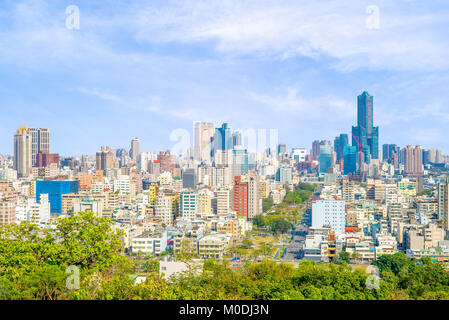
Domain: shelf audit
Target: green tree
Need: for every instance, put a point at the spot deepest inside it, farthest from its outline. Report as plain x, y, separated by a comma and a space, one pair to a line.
344, 256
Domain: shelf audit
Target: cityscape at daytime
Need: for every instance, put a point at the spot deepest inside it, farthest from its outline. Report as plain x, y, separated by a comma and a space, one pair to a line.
224, 150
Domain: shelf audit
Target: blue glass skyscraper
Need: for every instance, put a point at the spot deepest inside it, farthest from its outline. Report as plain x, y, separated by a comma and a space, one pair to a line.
240, 160
350, 160
325, 158
365, 134
222, 139
339, 145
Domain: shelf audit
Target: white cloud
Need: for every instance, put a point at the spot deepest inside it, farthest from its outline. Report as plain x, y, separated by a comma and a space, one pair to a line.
405, 41
99, 94
291, 102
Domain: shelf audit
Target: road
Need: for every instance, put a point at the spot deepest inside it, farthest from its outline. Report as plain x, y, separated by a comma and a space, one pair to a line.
294, 248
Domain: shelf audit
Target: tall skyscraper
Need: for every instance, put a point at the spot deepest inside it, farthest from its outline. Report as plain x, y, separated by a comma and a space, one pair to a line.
166, 160
222, 139
316, 149
431, 156
203, 133
105, 158
388, 150
443, 203
350, 160
281, 149
254, 198
240, 197
237, 139
325, 158
40, 142
413, 162
439, 156
135, 148
22, 152
240, 161
339, 145
364, 134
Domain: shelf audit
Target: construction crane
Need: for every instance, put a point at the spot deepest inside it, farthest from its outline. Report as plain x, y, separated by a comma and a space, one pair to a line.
360, 145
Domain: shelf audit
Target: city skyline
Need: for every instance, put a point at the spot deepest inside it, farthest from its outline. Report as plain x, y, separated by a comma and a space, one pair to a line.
229, 150
298, 68
267, 144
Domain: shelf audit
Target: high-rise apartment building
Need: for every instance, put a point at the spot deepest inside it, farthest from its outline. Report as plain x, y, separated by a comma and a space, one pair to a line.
166, 160
105, 158
40, 142
203, 134
223, 202
413, 162
438, 156
347, 191
240, 197
188, 205
254, 196
443, 203
23, 152
329, 213
135, 148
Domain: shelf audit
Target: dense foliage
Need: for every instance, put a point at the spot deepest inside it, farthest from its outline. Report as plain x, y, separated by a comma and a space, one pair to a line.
33, 265
276, 222
302, 193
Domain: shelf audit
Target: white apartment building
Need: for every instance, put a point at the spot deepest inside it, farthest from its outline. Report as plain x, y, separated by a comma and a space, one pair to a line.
32, 211
122, 185
8, 174
330, 213
188, 205
153, 243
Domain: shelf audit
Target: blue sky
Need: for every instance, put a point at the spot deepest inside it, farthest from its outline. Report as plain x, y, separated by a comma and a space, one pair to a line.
145, 68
